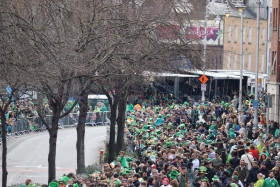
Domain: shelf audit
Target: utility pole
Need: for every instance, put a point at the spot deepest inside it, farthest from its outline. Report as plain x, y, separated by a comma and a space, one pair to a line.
255, 122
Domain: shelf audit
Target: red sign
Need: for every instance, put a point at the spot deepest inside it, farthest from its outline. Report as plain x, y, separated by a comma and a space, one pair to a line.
203, 79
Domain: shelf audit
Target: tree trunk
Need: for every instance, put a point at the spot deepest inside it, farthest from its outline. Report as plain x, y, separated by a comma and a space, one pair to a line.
121, 124
52, 147
80, 145
112, 130
4, 149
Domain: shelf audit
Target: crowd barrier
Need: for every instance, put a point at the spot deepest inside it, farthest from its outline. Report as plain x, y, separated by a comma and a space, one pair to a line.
34, 124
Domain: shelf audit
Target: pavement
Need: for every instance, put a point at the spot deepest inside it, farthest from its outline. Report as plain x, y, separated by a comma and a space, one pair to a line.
28, 154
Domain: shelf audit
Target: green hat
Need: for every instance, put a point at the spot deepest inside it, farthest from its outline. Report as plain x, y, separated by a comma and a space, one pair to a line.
235, 177
117, 183
233, 185
215, 178
53, 184
178, 134
202, 169
64, 180
129, 160
152, 137
182, 125
168, 144
75, 185
126, 172
173, 174
272, 144
146, 127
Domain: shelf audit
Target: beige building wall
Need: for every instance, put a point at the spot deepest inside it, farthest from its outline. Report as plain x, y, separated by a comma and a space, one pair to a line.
232, 38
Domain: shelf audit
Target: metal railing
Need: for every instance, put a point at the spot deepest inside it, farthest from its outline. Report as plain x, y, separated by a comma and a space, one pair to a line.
34, 124
98, 118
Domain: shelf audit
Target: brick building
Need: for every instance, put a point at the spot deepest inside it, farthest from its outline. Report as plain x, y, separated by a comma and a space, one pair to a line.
273, 84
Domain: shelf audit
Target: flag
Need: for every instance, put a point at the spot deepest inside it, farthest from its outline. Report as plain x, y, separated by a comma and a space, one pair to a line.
113, 164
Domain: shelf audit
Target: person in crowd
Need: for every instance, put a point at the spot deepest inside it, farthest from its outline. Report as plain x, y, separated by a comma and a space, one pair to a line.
270, 181
260, 181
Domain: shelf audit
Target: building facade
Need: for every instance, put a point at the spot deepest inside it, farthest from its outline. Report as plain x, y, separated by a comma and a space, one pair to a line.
273, 84
232, 39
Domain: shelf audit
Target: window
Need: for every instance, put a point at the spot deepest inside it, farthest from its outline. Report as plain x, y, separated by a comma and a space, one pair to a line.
229, 33
250, 35
275, 15
243, 61
235, 33
263, 36
228, 60
273, 61
235, 60
279, 31
269, 28
244, 35
249, 62
262, 66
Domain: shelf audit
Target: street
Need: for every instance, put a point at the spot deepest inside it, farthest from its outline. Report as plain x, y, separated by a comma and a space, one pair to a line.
28, 155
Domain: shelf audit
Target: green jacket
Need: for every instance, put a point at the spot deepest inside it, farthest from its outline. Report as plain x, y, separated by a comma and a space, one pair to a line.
270, 183
123, 162
217, 162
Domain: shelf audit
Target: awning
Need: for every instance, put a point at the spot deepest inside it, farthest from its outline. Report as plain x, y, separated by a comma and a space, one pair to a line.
245, 73
166, 74
215, 75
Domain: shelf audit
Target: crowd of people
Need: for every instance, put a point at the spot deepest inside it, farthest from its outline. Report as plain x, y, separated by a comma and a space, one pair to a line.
24, 113
191, 144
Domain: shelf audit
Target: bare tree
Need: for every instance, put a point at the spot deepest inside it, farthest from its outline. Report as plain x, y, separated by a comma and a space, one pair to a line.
141, 51
72, 41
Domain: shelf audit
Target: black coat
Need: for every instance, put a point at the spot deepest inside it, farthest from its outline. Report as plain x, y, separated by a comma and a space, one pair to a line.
234, 162
210, 174
253, 175
264, 172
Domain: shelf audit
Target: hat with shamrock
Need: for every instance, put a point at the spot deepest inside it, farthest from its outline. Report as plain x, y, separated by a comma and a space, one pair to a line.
202, 169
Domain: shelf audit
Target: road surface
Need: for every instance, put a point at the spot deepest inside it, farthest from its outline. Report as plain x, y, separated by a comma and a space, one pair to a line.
28, 154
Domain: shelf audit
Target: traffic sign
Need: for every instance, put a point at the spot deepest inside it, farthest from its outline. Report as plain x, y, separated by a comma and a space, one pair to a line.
255, 104
203, 79
203, 87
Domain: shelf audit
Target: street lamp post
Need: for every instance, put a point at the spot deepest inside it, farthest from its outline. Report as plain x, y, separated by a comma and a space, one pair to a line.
255, 121
240, 8
204, 49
